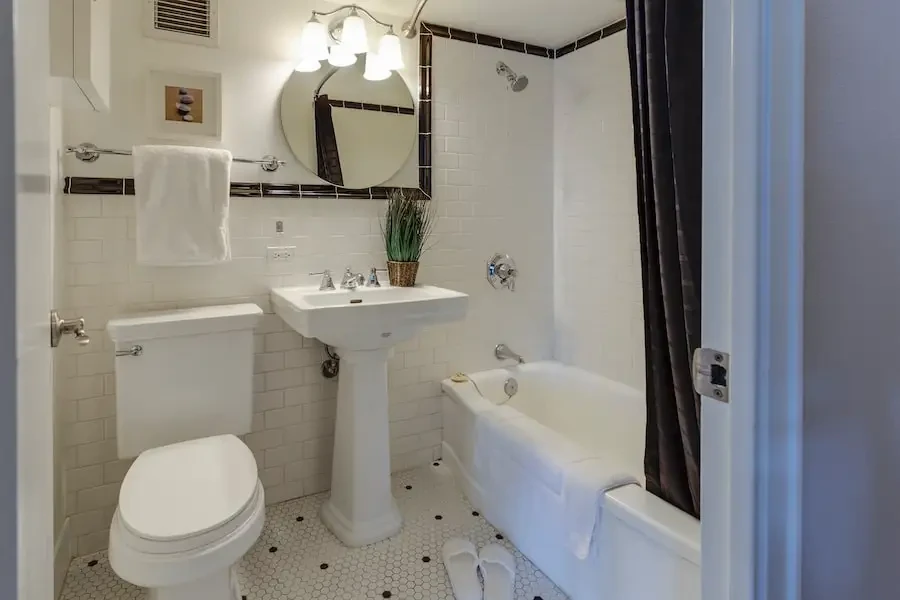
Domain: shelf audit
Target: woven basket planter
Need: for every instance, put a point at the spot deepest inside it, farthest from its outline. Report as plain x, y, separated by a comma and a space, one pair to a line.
402, 274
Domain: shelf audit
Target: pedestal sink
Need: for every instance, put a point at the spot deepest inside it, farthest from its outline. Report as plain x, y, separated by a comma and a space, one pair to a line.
363, 326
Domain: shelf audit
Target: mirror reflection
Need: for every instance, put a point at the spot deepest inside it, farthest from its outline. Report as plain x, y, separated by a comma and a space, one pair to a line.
350, 131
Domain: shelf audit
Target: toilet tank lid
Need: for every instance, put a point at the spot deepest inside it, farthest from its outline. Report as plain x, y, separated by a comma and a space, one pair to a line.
184, 322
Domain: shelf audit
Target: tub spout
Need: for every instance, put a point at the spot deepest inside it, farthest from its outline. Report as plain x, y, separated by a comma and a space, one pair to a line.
503, 352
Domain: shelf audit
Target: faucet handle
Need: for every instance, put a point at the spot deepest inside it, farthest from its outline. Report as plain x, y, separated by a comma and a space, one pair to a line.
327, 282
372, 281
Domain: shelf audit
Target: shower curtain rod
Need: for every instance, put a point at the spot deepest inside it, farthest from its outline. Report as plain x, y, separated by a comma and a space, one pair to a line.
90, 153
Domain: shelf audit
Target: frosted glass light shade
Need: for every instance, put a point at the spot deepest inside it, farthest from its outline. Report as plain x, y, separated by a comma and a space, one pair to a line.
308, 66
354, 36
341, 57
390, 53
314, 41
375, 70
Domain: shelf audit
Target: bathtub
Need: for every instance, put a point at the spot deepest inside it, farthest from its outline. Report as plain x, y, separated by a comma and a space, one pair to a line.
641, 548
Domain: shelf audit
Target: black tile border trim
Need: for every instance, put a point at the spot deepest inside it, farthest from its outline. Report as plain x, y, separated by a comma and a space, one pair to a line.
484, 39
106, 186
385, 108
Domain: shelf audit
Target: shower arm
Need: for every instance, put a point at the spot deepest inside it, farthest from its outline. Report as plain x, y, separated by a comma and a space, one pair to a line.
411, 28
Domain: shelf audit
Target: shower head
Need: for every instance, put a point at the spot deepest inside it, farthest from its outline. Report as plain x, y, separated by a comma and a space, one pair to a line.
517, 83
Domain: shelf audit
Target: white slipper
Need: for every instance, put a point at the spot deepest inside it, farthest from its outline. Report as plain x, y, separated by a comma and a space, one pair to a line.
461, 562
498, 567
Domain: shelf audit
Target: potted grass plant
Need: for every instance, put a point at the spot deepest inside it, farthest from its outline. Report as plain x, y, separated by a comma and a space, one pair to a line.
407, 225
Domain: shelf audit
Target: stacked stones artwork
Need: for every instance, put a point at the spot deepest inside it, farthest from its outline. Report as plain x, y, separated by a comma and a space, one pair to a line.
184, 104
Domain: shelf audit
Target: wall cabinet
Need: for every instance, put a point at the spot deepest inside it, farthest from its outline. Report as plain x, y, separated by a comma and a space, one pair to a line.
80, 54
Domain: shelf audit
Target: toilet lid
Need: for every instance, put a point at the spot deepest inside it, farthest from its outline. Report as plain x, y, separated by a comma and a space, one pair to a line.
187, 489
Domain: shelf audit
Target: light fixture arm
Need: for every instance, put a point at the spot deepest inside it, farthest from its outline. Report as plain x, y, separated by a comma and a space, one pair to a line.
351, 7
410, 28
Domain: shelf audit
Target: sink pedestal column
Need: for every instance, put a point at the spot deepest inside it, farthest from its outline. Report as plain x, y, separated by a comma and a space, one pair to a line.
362, 509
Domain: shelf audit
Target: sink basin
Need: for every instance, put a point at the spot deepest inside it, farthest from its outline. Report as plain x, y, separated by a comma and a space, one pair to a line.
367, 318
363, 325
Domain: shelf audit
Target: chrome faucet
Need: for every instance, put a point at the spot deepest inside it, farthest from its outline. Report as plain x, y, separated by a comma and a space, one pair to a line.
352, 280
504, 352
327, 283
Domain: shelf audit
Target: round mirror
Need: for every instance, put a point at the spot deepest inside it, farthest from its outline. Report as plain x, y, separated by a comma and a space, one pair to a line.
349, 131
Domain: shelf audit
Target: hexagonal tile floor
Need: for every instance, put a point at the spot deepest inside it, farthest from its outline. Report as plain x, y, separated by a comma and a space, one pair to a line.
297, 558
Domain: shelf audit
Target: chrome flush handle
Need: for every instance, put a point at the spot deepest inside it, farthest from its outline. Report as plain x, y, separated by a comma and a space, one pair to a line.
60, 327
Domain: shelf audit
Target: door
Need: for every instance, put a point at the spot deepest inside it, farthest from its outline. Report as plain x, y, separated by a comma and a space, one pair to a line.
34, 246
752, 296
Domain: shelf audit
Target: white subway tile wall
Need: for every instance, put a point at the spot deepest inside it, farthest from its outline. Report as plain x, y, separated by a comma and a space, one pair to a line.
493, 193
598, 308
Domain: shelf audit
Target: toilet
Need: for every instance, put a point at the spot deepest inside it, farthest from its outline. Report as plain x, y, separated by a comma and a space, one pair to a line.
192, 504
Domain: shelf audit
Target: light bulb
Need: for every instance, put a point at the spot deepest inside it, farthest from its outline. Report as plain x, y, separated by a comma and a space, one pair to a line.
390, 52
308, 66
341, 57
353, 35
375, 70
314, 41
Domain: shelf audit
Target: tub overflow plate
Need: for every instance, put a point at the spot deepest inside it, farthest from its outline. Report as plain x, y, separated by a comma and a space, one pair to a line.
511, 387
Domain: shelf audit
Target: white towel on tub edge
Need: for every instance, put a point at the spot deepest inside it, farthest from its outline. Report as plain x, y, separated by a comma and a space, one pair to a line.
585, 484
567, 469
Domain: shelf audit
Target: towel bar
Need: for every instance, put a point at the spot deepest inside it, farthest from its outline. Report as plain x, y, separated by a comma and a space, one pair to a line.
90, 153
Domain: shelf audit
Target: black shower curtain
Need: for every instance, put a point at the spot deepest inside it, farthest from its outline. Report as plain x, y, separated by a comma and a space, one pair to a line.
329, 159
665, 45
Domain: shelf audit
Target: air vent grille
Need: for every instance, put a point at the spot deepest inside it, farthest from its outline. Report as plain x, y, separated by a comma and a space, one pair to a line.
185, 17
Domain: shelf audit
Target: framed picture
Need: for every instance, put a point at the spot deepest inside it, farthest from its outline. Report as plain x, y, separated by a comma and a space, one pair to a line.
184, 105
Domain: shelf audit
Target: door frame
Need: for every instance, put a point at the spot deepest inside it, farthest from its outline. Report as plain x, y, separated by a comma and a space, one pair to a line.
753, 176
9, 566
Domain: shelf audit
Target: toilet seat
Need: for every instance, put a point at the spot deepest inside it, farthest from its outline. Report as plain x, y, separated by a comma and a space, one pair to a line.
186, 511
174, 495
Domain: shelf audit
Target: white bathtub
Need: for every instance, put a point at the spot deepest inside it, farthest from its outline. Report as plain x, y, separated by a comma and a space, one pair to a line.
642, 547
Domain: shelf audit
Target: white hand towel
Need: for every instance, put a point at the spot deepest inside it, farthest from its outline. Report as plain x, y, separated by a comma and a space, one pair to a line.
183, 196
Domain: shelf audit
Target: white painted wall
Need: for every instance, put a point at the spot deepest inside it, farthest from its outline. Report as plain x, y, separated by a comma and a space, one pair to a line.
598, 311
852, 253
493, 190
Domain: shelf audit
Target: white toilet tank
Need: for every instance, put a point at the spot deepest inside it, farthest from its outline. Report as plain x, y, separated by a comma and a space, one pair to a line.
192, 379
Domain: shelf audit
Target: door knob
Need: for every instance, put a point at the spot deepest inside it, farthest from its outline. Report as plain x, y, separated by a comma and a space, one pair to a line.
60, 327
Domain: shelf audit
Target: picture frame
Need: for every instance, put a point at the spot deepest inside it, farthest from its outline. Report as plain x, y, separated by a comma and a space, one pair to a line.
184, 105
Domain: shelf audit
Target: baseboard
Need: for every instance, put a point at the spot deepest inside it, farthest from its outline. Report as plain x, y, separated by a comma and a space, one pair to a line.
62, 556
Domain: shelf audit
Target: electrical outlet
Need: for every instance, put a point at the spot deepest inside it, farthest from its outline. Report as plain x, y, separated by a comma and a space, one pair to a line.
280, 253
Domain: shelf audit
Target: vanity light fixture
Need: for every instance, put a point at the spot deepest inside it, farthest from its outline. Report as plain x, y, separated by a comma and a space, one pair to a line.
375, 69
308, 66
341, 56
314, 41
340, 41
